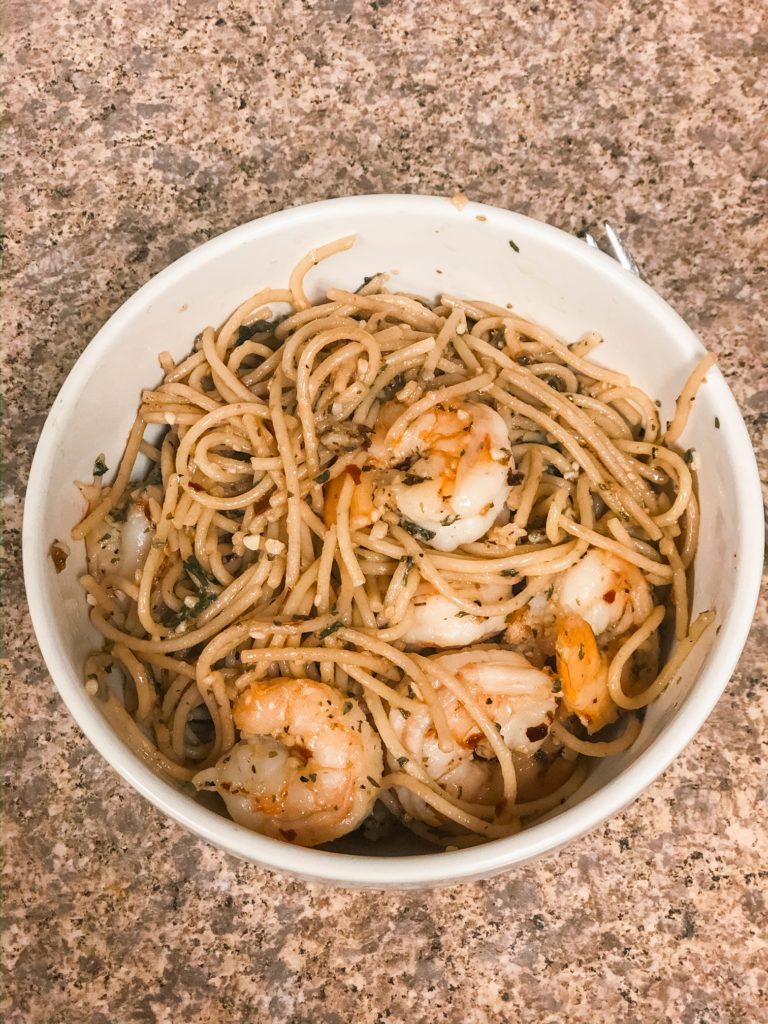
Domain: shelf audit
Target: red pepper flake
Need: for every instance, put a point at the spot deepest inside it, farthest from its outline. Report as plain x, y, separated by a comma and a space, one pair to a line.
537, 732
195, 487
472, 742
609, 596
355, 472
288, 834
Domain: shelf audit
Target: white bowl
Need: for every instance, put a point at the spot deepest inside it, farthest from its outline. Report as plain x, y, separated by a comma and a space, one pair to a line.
553, 278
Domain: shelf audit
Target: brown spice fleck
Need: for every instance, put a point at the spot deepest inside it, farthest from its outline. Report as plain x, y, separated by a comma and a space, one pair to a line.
59, 554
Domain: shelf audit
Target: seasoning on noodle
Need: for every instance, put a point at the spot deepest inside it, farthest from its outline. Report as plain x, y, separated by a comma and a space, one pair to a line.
390, 554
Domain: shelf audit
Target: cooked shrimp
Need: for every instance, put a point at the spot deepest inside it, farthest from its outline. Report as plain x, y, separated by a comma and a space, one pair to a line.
308, 765
451, 466
362, 511
583, 670
610, 594
457, 770
591, 604
122, 546
598, 599
438, 623
518, 698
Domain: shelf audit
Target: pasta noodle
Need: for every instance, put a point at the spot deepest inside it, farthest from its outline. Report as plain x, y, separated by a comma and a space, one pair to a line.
393, 559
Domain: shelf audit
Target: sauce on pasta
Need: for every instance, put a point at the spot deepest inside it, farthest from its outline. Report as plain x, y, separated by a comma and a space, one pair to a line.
394, 560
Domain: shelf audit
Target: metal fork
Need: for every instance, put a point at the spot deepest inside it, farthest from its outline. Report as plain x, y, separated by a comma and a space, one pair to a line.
614, 247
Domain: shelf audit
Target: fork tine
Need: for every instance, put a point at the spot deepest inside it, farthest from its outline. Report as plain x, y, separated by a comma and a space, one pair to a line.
620, 251
590, 240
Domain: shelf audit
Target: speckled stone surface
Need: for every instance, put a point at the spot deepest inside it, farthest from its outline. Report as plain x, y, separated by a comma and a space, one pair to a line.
135, 131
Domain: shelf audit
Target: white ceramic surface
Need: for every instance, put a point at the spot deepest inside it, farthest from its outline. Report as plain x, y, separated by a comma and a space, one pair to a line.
433, 247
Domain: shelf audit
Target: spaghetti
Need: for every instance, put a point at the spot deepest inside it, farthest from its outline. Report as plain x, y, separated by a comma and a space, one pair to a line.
392, 559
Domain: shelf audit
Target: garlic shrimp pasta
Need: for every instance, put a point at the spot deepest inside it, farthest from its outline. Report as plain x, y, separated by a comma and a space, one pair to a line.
393, 560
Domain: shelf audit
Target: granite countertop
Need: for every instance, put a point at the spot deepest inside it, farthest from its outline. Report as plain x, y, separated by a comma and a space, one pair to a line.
135, 131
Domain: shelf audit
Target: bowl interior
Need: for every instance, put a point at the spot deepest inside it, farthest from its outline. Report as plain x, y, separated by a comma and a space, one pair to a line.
429, 247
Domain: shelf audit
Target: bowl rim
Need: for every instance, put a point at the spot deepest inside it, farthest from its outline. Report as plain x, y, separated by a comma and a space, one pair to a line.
356, 870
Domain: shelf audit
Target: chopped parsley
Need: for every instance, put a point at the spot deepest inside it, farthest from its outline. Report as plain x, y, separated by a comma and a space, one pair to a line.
513, 247
366, 280
421, 532
197, 574
402, 761
100, 467
246, 331
205, 600
329, 629
396, 384
498, 338
717, 422
202, 583
688, 456
324, 477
